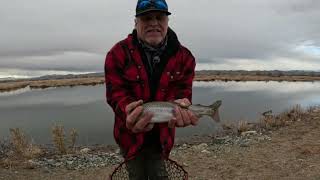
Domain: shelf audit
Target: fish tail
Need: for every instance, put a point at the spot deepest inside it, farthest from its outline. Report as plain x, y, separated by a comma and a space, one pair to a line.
214, 110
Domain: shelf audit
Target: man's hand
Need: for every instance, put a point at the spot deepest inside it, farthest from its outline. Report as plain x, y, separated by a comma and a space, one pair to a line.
136, 121
183, 117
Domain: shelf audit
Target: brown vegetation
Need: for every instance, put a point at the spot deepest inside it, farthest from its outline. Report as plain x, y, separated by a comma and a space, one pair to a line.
12, 86
62, 145
294, 114
58, 137
66, 82
73, 138
204, 77
22, 147
42, 84
95, 79
19, 148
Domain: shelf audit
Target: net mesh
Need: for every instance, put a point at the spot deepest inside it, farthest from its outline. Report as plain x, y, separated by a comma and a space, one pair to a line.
174, 170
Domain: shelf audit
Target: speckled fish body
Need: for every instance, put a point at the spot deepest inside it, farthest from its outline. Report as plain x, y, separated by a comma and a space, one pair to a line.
164, 111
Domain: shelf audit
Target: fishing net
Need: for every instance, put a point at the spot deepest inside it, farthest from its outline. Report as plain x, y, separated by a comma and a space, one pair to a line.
174, 170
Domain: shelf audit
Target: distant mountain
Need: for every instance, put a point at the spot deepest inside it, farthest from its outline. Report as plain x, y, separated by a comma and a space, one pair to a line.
6, 79
259, 73
275, 73
68, 76
51, 77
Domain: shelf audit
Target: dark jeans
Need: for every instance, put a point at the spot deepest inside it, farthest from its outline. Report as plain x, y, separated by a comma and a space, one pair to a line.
147, 165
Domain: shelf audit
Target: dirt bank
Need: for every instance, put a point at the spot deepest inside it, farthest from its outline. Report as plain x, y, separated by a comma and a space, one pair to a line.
6, 86
255, 78
286, 150
42, 84
293, 152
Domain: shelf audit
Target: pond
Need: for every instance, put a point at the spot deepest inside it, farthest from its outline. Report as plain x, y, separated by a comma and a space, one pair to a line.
84, 107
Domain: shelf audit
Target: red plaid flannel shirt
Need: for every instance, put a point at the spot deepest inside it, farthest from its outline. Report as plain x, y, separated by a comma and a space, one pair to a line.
127, 81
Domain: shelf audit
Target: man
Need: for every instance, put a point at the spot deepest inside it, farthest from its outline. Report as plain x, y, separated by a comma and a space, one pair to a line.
149, 65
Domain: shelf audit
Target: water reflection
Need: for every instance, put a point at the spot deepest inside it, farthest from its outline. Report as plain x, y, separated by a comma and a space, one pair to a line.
84, 107
247, 100
15, 92
274, 86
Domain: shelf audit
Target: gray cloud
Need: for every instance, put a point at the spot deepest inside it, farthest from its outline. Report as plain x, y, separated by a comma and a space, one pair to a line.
67, 61
247, 29
299, 6
75, 35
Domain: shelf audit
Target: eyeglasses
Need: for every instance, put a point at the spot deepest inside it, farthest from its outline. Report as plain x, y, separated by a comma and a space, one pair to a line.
149, 17
159, 4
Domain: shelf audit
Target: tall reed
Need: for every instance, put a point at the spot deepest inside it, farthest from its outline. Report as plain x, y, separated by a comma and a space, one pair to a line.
58, 136
22, 147
60, 141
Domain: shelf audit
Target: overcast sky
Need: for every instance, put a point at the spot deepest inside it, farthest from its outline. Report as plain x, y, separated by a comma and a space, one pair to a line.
57, 36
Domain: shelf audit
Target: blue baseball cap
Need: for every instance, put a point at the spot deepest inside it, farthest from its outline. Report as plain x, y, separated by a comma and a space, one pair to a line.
144, 6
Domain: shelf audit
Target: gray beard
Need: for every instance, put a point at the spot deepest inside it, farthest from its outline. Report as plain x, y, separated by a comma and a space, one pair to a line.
162, 45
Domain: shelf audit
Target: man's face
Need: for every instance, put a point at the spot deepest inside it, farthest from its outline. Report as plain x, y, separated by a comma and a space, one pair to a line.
152, 27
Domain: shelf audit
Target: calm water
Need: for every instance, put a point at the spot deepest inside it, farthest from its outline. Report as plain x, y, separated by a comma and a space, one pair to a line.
84, 107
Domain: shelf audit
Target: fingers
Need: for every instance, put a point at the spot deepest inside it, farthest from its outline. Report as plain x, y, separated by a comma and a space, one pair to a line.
172, 122
182, 117
178, 116
143, 124
183, 102
136, 120
193, 118
130, 107
185, 117
132, 118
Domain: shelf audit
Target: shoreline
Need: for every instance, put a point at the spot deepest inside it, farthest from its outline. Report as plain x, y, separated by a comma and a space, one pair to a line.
87, 80
282, 145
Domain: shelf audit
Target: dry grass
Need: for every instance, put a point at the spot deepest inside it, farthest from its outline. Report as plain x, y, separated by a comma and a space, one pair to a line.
269, 121
243, 126
60, 140
41, 84
73, 138
66, 82
22, 147
58, 136
311, 109
237, 129
18, 140
208, 77
12, 86
228, 129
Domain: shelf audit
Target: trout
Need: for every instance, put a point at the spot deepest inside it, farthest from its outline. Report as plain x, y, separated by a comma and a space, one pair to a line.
164, 111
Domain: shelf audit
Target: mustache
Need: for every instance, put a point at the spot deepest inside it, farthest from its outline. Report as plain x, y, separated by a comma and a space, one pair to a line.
153, 29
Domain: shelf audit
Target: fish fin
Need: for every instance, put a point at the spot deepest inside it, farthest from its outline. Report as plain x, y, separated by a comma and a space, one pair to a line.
215, 110
216, 116
215, 105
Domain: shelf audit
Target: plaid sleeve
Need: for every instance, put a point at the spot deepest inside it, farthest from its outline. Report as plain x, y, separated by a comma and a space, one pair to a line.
117, 94
184, 86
